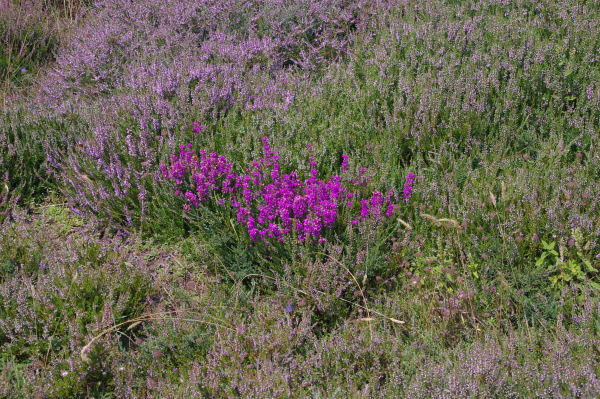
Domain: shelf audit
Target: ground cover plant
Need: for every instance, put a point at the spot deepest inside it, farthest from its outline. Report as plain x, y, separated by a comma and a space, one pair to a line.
244, 198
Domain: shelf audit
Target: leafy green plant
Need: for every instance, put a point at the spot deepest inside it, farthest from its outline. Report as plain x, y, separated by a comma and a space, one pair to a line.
576, 269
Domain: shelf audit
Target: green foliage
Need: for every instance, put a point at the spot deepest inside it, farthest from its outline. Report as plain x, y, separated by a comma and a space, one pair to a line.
30, 32
25, 170
94, 379
28, 37
68, 303
566, 268
19, 257
11, 371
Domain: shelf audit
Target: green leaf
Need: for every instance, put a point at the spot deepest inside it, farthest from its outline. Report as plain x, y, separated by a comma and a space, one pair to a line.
589, 267
573, 266
595, 285
548, 246
541, 259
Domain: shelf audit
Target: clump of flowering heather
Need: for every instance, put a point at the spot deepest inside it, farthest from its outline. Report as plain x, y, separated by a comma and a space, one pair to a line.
408, 187
136, 80
273, 205
28, 36
79, 283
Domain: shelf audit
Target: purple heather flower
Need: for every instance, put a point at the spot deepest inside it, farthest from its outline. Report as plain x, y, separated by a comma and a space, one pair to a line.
408, 187
364, 210
345, 162
289, 308
272, 204
197, 128
376, 202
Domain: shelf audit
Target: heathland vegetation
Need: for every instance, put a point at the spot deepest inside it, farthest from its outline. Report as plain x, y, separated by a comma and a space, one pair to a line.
301, 198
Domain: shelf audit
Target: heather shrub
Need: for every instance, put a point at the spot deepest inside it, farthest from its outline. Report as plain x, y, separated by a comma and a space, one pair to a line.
30, 31
54, 299
437, 105
279, 214
24, 164
226, 59
293, 341
528, 363
274, 353
28, 37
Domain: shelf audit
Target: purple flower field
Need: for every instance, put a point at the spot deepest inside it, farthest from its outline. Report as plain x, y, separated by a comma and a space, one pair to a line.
302, 198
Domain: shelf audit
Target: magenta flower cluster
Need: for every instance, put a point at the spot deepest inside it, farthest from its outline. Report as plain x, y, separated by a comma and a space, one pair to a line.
408, 187
197, 128
273, 205
209, 173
